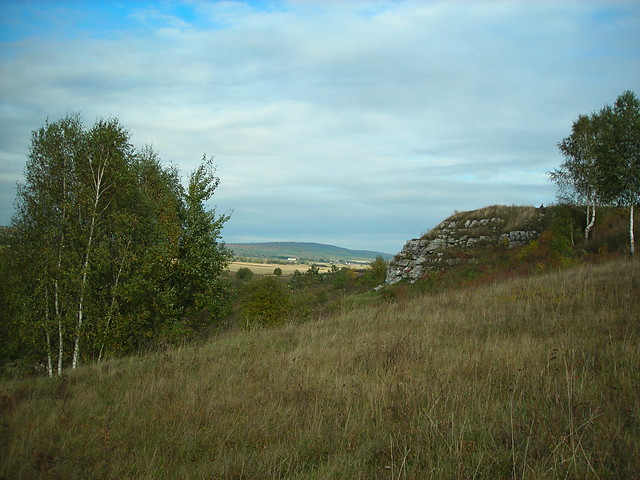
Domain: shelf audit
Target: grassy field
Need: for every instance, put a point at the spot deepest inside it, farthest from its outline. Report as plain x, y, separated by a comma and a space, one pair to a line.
268, 268
537, 378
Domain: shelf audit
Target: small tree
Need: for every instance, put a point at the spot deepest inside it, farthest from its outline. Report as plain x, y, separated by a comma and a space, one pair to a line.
266, 302
378, 269
203, 256
244, 274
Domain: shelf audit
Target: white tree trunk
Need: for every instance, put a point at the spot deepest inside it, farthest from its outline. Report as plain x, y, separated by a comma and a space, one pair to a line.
60, 345
98, 174
591, 217
56, 284
48, 337
632, 242
83, 284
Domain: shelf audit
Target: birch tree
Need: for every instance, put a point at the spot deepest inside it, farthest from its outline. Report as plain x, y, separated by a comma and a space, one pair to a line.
602, 161
619, 155
111, 250
99, 169
44, 219
577, 177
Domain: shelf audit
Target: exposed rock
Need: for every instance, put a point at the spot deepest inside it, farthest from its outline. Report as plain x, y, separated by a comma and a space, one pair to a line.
434, 251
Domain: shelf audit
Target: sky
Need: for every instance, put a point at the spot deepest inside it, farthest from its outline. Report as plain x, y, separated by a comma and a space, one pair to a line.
360, 124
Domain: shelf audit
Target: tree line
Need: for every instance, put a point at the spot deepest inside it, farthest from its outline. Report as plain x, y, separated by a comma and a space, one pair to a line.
602, 161
107, 250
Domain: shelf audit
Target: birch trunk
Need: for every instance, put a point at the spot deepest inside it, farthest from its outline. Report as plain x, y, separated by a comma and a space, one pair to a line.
83, 285
60, 344
58, 314
48, 337
591, 216
632, 241
97, 174
56, 284
111, 307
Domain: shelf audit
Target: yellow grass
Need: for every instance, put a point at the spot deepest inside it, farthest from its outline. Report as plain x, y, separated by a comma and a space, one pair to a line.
268, 268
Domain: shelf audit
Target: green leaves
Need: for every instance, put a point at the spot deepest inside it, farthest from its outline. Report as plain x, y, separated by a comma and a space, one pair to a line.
602, 158
265, 302
202, 255
112, 251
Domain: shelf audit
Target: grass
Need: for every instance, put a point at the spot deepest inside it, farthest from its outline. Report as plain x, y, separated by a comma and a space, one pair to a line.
514, 217
536, 378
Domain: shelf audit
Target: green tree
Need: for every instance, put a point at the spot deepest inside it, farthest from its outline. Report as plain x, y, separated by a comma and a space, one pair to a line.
142, 247
107, 250
619, 155
602, 160
244, 274
265, 302
202, 255
577, 177
44, 237
100, 171
378, 270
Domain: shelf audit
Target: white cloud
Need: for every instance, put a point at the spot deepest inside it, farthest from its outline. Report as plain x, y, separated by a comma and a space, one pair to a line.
333, 118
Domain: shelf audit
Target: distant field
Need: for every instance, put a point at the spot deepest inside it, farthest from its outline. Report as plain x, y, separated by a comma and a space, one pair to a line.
268, 268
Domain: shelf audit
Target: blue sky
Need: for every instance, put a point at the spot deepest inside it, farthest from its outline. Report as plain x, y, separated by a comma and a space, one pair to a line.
356, 123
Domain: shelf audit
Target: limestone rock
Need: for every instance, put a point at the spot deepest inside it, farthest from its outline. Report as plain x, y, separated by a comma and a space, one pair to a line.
434, 251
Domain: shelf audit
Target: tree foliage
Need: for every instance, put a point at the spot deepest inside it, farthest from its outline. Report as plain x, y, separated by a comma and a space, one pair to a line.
602, 160
266, 302
107, 250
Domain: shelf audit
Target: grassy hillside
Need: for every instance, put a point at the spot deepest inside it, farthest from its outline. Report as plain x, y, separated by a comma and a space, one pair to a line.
308, 251
537, 378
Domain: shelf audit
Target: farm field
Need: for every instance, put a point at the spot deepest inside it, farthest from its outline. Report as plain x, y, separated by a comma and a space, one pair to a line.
287, 269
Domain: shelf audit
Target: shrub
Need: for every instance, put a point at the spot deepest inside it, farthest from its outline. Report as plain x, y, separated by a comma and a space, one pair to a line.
265, 302
244, 274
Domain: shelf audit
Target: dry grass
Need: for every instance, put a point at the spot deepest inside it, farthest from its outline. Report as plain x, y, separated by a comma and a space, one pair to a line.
268, 268
515, 217
534, 379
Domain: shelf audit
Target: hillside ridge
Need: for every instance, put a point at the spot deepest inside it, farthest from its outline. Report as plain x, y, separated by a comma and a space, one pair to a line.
307, 250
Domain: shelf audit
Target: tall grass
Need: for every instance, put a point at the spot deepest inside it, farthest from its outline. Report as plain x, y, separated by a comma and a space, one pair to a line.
538, 378
513, 217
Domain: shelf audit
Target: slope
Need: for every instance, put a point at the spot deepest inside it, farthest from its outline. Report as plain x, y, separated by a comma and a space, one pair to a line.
535, 378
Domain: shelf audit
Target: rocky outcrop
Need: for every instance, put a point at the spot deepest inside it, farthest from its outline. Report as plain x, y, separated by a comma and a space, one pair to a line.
455, 240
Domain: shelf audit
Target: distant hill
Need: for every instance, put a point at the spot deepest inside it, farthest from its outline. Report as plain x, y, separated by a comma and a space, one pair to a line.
304, 251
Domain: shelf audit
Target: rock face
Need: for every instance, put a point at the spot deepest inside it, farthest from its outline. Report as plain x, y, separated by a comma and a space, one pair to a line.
464, 233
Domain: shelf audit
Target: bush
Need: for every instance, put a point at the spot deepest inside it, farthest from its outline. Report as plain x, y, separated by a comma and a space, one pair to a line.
265, 302
244, 274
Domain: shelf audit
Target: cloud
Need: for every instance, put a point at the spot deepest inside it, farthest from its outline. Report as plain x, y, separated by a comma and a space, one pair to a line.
364, 122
